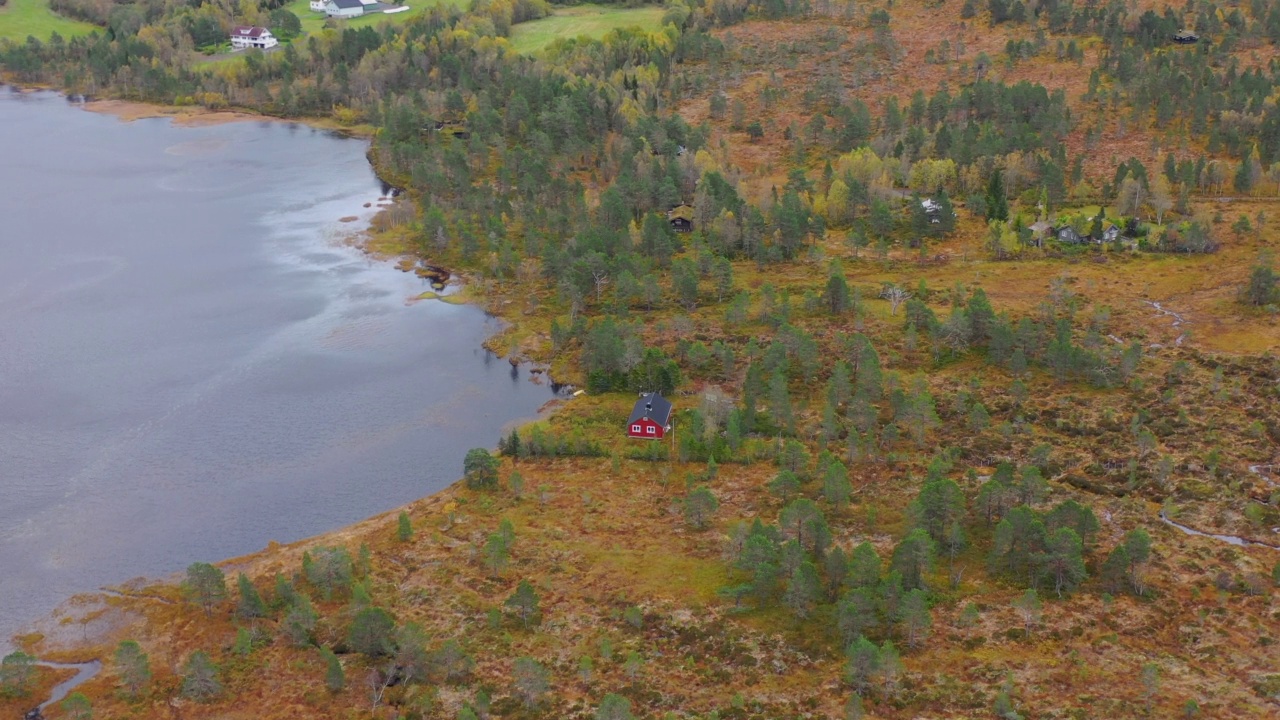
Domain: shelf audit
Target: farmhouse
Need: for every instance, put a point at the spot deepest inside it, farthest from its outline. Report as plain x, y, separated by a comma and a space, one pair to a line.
681, 218
344, 8
650, 418
1111, 234
318, 5
243, 36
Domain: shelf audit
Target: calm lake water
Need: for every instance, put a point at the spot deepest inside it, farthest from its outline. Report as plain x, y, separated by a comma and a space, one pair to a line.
191, 361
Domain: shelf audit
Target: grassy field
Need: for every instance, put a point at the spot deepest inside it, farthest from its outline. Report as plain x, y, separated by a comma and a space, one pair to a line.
590, 20
314, 21
21, 18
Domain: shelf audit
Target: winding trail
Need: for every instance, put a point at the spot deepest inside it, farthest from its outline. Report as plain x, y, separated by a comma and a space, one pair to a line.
1178, 319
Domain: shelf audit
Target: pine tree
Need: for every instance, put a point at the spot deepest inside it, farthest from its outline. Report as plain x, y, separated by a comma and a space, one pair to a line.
780, 404
915, 616
614, 707
200, 678
524, 601
862, 662
1063, 559
857, 613
404, 528
531, 680
205, 585
837, 295
335, 678
134, 667
371, 632
864, 567
997, 203
913, 558
251, 605
802, 590
835, 485
17, 674
699, 506
76, 707
939, 504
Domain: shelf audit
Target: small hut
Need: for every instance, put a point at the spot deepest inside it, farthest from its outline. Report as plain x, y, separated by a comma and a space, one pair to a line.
1185, 37
681, 218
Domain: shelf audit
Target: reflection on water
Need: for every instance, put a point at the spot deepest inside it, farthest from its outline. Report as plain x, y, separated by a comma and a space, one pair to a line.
193, 363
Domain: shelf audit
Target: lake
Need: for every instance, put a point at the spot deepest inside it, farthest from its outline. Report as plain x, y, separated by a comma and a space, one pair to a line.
193, 362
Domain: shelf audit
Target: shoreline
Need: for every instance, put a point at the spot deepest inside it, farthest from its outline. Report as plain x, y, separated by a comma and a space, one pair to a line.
193, 116
199, 116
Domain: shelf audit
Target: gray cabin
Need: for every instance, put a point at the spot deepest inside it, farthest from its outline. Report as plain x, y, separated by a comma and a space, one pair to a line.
1068, 235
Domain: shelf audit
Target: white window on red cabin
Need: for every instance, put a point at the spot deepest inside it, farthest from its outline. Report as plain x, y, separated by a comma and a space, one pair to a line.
635, 428
651, 430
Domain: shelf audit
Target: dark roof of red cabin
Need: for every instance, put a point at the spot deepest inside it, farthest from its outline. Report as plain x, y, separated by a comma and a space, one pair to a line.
652, 406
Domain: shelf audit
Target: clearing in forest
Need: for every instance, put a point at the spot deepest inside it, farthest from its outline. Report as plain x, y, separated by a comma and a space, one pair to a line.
590, 20
22, 18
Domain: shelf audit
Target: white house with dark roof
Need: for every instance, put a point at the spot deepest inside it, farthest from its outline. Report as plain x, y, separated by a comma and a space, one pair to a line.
244, 36
344, 8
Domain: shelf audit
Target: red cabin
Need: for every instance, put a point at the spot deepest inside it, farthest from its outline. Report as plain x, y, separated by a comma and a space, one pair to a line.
651, 417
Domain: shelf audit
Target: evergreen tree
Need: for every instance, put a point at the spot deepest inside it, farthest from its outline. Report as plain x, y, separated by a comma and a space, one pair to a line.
838, 298
76, 707
780, 404
404, 528
205, 585
251, 605
997, 203
784, 485
134, 667
524, 601
864, 567
329, 569
915, 617
862, 662
335, 678
200, 678
17, 673
1063, 560
802, 590
803, 521
300, 621
835, 485
531, 680
1018, 538
480, 469
699, 506
371, 632
913, 558
939, 504
614, 707
857, 613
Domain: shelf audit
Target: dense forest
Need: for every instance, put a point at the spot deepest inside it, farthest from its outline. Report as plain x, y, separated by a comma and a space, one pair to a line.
928, 433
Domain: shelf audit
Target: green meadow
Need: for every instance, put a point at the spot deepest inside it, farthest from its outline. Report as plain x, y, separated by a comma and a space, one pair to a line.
21, 18
314, 21
590, 20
